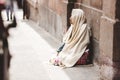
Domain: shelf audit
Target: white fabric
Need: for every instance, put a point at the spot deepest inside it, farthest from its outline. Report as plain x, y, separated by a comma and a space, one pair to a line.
76, 39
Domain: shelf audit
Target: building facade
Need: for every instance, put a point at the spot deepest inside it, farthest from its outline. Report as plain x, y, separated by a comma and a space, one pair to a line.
103, 16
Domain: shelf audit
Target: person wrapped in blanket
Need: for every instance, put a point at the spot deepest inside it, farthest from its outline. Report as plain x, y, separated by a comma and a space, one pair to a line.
75, 41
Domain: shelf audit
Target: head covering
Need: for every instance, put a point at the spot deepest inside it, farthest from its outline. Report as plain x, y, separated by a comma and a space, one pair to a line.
76, 39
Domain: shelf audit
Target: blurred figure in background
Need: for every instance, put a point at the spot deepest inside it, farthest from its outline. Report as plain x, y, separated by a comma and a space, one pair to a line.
9, 9
3, 37
25, 9
4, 45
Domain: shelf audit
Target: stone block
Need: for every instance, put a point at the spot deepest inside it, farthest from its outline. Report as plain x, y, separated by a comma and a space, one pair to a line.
33, 12
59, 7
93, 20
109, 8
96, 4
43, 16
52, 5
105, 58
53, 18
86, 2
43, 2
106, 72
106, 40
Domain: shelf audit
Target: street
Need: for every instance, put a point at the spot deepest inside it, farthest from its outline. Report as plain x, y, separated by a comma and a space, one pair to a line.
31, 48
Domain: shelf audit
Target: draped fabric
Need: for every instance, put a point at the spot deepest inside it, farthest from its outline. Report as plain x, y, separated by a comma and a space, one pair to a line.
76, 39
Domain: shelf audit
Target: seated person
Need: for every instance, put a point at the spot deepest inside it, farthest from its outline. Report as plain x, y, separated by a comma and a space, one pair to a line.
75, 41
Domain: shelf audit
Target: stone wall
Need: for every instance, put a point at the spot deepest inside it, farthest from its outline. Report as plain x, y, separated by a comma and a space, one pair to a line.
51, 15
93, 12
103, 17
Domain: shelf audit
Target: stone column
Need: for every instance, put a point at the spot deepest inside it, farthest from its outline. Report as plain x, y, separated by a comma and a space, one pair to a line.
109, 56
116, 39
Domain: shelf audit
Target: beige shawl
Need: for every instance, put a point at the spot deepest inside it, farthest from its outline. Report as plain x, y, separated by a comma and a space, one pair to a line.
76, 39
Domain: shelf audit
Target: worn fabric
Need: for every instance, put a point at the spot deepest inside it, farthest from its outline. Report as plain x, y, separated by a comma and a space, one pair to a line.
76, 39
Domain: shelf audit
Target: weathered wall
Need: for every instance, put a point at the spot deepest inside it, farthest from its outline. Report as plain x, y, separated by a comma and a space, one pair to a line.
103, 16
51, 15
93, 12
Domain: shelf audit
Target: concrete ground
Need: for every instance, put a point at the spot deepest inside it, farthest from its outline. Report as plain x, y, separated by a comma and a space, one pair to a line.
31, 48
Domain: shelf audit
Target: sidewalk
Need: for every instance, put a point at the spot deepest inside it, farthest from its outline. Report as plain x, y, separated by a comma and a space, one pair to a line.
31, 48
